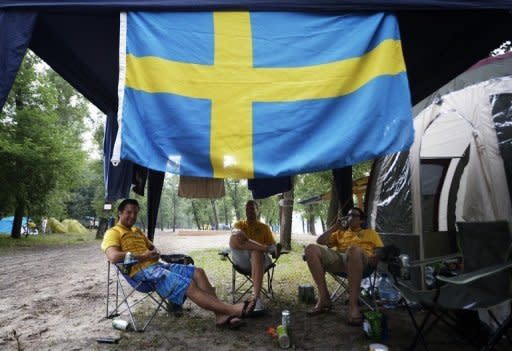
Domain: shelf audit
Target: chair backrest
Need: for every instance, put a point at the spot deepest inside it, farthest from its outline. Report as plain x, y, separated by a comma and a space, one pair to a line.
485, 244
142, 287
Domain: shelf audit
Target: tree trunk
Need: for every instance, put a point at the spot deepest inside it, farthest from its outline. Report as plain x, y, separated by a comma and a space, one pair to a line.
215, 218
174, 211
225, 211
334, 205
196, 215
102, 228
236, 200
286, 220
323, 224
311, 221
18, 219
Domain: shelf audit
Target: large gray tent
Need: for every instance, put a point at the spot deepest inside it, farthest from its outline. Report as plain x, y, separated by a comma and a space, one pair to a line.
459, 167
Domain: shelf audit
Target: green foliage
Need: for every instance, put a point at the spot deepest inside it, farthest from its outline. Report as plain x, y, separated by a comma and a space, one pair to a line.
40, 155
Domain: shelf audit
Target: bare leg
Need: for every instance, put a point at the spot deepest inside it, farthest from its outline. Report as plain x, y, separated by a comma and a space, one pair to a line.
250, 245
201, 279
257, 272
211, 303
355, 274
313, 254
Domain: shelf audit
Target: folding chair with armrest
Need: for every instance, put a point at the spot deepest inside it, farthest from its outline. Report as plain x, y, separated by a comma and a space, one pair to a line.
145, 290
367, 297
485, 282
246, 284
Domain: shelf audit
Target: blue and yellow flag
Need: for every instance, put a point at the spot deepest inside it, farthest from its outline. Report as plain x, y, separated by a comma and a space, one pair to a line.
251, 95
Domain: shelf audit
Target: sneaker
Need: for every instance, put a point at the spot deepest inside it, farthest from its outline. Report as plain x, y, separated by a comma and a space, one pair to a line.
258, 307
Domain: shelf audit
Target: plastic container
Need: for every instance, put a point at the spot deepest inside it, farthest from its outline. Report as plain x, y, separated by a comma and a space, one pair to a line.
387, 292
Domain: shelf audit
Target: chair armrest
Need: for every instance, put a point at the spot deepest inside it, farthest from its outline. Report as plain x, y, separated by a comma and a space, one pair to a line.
224, 252
428, 261
472, 276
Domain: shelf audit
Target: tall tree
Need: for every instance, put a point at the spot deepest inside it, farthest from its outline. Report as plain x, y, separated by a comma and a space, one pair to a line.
38, 154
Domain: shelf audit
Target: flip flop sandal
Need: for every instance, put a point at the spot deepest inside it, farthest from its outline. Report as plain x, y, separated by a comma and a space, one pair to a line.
355, 321
248, 309
231, 323
317, 311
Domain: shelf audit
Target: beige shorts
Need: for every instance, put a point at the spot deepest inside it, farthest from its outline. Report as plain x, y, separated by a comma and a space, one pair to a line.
334, 261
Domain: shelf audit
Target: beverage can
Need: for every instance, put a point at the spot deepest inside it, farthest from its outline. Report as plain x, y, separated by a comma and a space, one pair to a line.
120, 324
282, 337
285, 319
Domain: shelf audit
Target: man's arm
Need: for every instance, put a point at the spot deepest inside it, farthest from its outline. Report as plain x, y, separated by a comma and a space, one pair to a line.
324, 238
114, 254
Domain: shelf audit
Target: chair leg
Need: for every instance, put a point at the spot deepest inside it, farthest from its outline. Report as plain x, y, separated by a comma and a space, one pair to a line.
233, 282
498, 334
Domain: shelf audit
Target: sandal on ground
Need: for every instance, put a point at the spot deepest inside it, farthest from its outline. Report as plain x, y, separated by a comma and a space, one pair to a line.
248, 308
319, 310
232, 322
355, 321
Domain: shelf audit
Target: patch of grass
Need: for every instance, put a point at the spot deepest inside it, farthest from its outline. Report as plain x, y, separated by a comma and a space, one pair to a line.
290, 272
7, 243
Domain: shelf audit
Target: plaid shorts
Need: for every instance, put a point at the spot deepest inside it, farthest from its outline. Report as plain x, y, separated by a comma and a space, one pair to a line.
171, 280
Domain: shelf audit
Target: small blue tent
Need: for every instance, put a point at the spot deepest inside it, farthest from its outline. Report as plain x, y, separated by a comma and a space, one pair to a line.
6, 224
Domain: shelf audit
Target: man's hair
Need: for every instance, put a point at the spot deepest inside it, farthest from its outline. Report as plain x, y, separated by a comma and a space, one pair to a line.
252, 202
127, 202
361, 213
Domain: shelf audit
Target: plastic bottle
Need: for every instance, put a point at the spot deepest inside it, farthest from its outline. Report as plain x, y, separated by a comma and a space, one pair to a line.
388, 294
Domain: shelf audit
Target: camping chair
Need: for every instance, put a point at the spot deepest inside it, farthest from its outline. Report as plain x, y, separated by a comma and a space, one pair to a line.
367, 295
246, 284
484, 282
129, 293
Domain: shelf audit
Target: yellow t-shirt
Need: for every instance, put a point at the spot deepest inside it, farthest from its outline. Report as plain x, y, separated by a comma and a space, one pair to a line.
128, 239
366, 239
259, 232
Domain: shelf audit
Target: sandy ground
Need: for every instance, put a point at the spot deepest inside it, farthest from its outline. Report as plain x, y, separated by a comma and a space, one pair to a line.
54, 299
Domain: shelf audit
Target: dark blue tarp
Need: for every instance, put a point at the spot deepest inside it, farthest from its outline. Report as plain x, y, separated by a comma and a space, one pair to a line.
79, 40
288, 5
15, 33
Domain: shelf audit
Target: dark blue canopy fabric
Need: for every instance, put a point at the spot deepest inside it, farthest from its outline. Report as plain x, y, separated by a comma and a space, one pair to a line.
80, 40
288, 5
15, 33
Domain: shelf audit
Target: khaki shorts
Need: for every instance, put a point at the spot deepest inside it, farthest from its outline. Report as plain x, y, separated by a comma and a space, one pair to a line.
334, 261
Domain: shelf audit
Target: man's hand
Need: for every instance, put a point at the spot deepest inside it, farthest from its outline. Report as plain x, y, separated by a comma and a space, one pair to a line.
150, 254
241, 237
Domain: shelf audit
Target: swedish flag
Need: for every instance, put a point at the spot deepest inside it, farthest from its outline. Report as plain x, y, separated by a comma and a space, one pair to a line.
248, 95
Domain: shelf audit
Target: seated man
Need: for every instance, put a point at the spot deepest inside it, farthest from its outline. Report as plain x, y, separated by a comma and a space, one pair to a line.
250, 244
173, 281
354, 250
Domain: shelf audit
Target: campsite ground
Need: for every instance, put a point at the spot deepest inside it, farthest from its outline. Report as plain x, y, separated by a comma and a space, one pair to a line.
53, 298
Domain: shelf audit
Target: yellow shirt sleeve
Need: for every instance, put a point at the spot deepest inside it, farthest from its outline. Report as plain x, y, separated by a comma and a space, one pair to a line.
111, 238
375, 238
239, 225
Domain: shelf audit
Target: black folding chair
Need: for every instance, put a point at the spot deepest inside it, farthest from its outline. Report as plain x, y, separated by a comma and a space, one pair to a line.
366, 296
128, 293
245, 284
484, 283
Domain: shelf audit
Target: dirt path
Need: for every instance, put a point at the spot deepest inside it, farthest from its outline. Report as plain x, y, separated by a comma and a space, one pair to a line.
54, 298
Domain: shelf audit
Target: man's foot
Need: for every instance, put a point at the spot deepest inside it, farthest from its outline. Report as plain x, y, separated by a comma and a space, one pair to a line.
248, 308
319, 309
231, 322
355, 321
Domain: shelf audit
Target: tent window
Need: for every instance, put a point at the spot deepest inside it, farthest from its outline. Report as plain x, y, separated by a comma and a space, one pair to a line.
501, 116
433, 172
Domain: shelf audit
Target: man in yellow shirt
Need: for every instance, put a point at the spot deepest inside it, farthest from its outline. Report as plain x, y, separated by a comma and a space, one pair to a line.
174, 281
354, 249
250, 243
